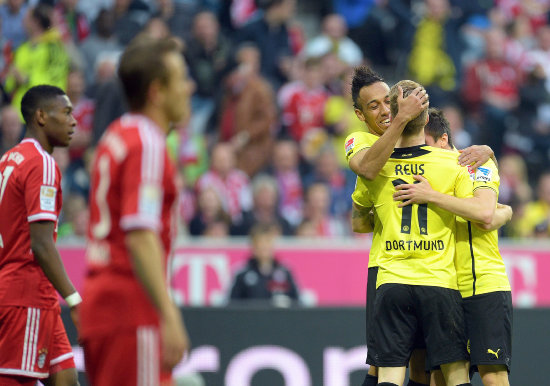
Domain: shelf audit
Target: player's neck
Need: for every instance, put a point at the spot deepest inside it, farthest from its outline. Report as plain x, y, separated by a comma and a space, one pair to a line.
411, 140
157, 116
40, 137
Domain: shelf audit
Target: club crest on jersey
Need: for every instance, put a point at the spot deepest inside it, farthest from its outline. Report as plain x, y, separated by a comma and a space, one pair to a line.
483, 174
47, 198
349, 145
42, 353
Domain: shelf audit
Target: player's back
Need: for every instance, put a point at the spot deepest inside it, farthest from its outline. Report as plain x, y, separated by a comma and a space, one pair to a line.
418, 240
29, 191
132, 188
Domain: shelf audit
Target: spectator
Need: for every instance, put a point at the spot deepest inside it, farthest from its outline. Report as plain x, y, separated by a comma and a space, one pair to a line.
40, 60
341, 182
459, 132
131, 16
268, 30
74, 217
265, 211
491, 90
11, 128
102, 40
207, 54
304, 112
264, 277
72, 24
83, 111
286, 171
317, 212
247, 113
535, 221
12, 13
434, 59
334, 39
209, 213
230, 183
178, 15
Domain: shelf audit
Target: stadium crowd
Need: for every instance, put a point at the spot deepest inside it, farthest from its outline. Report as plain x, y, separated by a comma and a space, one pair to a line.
271, 106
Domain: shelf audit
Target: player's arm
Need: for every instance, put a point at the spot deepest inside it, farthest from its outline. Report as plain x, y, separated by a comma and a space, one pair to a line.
362, 219
369, 162
476, 155
47, 256
503, 214
146, 250
479, 208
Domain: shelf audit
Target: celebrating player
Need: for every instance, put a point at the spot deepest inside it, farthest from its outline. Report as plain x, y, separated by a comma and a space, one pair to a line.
33, 341
482, 280
131, 331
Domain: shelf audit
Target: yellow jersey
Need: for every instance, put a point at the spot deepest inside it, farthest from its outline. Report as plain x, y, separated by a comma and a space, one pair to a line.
479, 266
354, 143
418, 241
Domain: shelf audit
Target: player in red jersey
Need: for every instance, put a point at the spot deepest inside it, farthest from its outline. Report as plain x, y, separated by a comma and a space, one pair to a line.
33, 341
131, 331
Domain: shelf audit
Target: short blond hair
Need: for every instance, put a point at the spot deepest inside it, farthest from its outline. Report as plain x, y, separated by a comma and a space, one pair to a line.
418, 123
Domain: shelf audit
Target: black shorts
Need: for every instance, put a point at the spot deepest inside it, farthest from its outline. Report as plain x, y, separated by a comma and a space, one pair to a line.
371, 296
488, 320
401, 311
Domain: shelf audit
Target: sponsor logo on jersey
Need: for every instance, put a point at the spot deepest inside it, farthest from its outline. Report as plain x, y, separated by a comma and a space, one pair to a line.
47, 198
349, 145
483, 174
150, 199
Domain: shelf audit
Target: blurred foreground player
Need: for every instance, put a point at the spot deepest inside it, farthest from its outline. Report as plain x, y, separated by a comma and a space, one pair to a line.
33, 341
131, 331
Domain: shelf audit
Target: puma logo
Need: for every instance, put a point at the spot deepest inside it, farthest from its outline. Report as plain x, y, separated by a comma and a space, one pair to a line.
489, 351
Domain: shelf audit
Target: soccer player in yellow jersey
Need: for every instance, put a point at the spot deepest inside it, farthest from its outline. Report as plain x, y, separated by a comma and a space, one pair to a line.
372, 106
416, 287
481, 274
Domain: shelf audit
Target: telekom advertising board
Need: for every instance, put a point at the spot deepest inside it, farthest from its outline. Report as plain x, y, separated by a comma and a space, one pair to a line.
327, 274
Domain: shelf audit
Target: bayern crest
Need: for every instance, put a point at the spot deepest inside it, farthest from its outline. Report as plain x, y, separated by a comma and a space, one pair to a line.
42, 353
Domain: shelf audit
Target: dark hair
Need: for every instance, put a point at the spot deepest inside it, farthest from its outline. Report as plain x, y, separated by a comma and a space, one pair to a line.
418, 123
36, 97
363, 76
264, 229
141, 63
266, 4
438, 125
42, 13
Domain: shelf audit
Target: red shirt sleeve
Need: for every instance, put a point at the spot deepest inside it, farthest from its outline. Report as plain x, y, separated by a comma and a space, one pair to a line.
42, 189
141, 189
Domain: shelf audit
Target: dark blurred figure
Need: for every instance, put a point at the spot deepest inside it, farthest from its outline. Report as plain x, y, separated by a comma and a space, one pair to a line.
11, 128
269, 31
264, 277
207, 55
130, 18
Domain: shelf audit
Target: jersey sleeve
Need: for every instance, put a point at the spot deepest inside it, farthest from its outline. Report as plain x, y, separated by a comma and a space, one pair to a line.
464, 186
42, 189
355, 142
141, 185
361, 194
486, 176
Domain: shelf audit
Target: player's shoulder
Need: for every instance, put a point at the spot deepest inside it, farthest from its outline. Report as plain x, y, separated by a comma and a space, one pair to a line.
27, 152
131, 132
357, 141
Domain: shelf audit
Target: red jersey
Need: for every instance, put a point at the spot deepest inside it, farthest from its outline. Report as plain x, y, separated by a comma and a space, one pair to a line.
30, 190
305, 111
132, 187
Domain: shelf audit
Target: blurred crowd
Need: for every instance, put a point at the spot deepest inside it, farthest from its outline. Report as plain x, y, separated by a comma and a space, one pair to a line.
271, 103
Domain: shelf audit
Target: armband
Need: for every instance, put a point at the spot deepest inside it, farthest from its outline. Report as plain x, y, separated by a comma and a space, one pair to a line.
73, 299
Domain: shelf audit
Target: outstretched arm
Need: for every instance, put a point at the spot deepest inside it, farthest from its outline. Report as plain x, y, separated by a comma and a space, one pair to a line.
480, 208
369, 162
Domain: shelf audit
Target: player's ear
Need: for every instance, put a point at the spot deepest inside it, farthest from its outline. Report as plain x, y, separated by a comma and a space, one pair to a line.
359, 115
427, 119
40, 116
154, 93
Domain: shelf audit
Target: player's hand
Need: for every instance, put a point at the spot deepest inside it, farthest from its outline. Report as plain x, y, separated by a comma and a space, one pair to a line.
411, 106
175, 341
475, 156
417, 193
